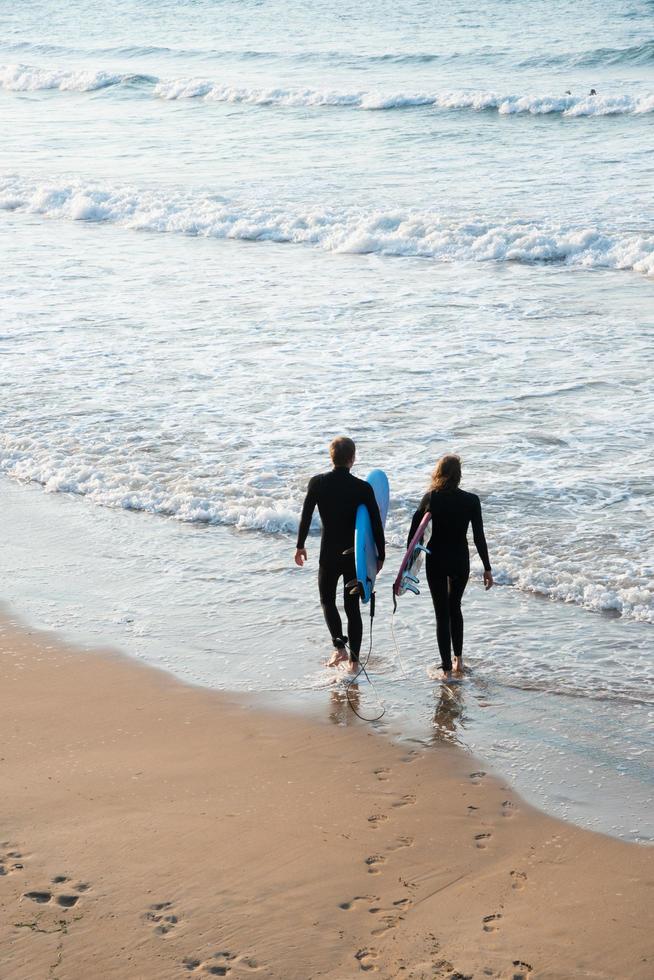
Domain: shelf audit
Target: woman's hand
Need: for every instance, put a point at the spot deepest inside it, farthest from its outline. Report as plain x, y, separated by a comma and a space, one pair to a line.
300, 556
488, 580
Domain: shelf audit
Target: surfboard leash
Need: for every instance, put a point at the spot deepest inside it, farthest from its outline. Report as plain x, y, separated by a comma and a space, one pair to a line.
362, 670
397, 646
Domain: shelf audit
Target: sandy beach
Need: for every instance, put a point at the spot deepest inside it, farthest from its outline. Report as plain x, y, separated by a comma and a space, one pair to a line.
154, 830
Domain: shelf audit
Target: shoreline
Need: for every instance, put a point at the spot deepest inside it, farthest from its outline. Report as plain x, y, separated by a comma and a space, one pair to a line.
196, 834
165, 592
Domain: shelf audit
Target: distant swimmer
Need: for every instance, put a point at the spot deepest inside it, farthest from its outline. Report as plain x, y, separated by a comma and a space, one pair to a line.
592, 92
338, 494
448, 560
568, 92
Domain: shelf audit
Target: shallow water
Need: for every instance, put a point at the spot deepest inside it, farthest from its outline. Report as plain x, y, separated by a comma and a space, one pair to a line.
232, 231
175, 596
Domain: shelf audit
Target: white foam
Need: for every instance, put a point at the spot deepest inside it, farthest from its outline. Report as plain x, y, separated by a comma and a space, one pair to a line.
28, 78
423, 234
244, 507
24, 78
633, 599
566, 105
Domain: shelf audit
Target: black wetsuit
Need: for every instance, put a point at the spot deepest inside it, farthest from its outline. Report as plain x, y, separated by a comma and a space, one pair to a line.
448, 564
337, 495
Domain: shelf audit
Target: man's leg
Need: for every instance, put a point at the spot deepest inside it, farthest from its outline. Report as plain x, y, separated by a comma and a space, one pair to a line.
327, 580
437, 580
456, 588
352, 611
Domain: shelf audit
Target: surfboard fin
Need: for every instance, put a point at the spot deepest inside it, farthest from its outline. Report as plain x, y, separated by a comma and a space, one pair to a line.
410, 587
348, 551
421, 547
408, 577
354, 587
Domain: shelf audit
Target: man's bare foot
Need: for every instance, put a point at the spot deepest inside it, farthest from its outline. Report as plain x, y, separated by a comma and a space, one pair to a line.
353, 665
457, 665
338, 656
438, 674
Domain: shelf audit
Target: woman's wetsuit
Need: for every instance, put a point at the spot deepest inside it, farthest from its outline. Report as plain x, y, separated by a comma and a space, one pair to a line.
337, 495
448, 561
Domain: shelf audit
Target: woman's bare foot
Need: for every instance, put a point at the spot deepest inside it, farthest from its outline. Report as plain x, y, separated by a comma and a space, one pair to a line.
457, 665
353, 665
438, 674
338, 656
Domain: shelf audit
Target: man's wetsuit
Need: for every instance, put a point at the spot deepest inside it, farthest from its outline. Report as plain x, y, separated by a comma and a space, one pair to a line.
337, 495
448, 564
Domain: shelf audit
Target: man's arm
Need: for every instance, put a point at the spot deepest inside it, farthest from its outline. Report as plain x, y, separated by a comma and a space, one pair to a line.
308, 508
376, 522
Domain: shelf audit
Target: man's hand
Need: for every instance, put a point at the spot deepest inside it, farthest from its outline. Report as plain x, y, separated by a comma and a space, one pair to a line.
300, 556
488, 580
380, 565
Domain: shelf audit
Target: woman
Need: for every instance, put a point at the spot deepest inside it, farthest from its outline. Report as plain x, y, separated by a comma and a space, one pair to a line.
448, 561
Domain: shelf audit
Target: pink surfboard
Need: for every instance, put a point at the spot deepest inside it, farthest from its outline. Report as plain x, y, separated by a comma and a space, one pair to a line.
407, 577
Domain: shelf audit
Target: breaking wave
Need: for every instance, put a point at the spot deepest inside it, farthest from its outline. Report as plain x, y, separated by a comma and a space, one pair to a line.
402, 233
24, 78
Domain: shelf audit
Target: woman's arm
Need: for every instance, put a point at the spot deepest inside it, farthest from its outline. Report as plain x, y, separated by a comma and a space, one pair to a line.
478, 535
418, 516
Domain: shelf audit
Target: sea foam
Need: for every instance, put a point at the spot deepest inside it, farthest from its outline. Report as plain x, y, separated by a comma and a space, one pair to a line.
114, 486
403, 233
26, 78
23, 78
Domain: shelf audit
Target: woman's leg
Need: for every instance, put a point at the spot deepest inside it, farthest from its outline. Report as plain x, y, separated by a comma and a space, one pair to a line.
456, 587
437, 580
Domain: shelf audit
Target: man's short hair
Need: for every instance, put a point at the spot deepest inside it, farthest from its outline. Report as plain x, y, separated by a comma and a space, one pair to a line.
342, 451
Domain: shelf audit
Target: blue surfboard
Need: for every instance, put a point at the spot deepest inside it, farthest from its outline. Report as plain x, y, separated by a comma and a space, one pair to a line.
365, 552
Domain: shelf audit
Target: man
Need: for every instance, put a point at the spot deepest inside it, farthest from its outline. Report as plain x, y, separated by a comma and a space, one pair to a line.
337, 495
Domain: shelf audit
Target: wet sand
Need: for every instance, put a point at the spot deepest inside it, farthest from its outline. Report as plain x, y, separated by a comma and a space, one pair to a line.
150, 829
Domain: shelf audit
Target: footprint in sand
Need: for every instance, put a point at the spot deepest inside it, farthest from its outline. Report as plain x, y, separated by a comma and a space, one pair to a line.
11, 859
376, 819
65, 899
390, 917
477, 777
411, 756
489, 922
163, 916
382, 774
374, 862
508, 809
521, 970
519, 879
482, 840
348, 906
402, 842
407, 800
222, 963
366, 959
389, 922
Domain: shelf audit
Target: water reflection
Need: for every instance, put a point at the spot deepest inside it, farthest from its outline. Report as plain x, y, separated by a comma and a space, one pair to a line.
449, 714
340, 708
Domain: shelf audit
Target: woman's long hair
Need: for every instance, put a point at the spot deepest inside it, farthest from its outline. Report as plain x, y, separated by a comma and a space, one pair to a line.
447, 474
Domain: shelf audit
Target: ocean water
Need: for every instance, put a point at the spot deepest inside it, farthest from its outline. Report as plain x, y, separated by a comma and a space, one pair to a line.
230, 231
